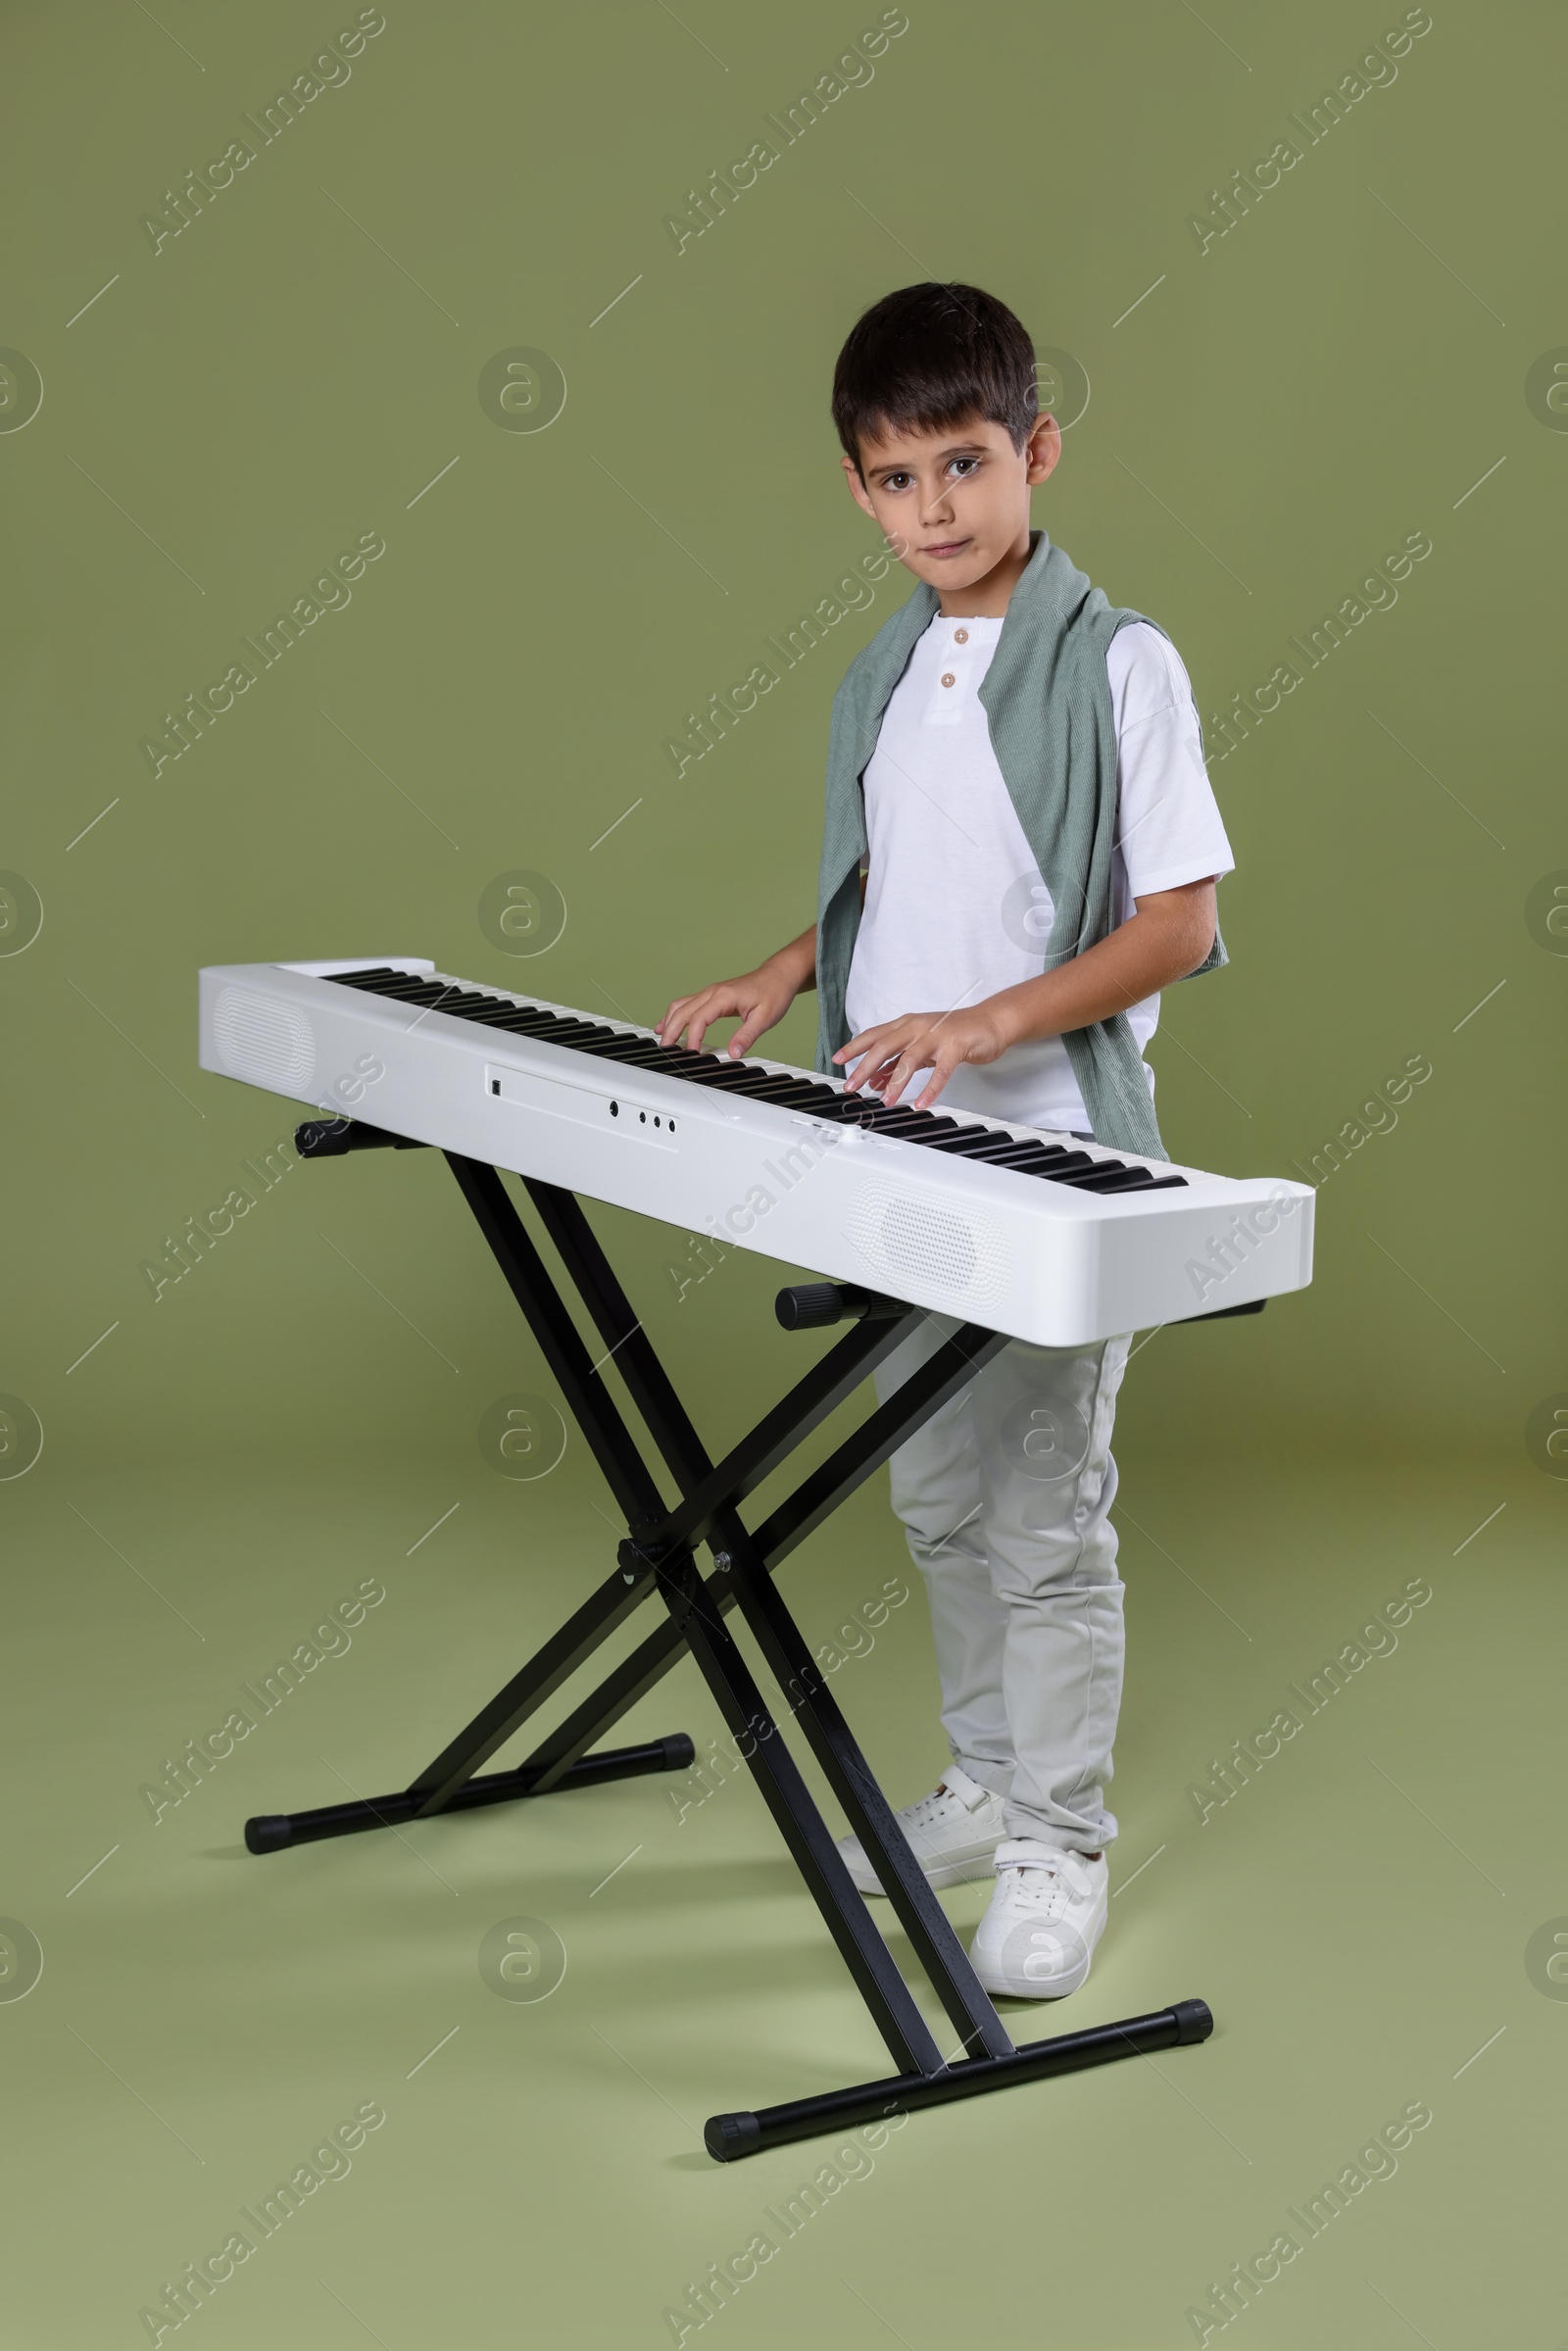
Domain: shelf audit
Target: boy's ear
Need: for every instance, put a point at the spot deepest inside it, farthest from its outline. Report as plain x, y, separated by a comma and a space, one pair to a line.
1044, 448
851, 474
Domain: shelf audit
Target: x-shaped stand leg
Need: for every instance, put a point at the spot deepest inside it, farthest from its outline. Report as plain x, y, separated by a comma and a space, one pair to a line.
659, 1556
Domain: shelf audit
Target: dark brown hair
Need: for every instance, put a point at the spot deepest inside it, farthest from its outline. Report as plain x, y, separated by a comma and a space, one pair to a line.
928, 357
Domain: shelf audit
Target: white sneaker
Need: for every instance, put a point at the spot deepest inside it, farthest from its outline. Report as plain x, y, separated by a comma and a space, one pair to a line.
1036, 1940
954, 1831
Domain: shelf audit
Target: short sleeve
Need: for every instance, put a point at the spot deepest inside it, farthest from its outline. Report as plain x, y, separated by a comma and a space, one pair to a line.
1168, 828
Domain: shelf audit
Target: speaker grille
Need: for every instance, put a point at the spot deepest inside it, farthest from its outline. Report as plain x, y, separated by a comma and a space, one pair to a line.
909, 1240
265, 1043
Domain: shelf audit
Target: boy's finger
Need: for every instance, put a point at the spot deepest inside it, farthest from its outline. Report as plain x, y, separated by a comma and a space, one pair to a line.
872, 1045
750, 1030
677, 1017
942, 1069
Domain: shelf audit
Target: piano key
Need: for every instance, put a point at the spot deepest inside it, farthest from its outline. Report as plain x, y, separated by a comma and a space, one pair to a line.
568, 1032
526, 1020
1034, 1157
1086, 1178
1010, 1152
643, 1052
735, 1077
406, 988
1002, 1153
786, 1093
901, 1125
969, 1140
376, 983
520, 1020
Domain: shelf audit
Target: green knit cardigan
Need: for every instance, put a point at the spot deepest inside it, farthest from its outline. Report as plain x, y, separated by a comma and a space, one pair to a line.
1047, 697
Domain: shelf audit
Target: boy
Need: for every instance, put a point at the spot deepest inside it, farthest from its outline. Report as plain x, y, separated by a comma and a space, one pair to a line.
1020, 851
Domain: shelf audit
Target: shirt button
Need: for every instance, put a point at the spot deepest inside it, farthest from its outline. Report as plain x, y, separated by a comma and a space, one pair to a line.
960, 636
948, 678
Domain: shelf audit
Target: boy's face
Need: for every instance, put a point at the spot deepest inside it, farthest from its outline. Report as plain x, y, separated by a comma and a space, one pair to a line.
954, 504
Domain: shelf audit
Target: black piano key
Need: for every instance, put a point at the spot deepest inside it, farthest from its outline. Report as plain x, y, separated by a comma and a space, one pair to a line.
1096, 1173
845, 1108
568, 1032
1033, 1158
678, 1061
734, 1077
640, 1054
1130, 1179
407, 988
447, 999
818, 1092
971, 1139
908, 1126
841, 1108
363, 979
624, 1045
528, 1020
895, 1122
766, 1087
622, 1054
1001, 1148
498, 1013
866, 1111
646, 1053
937, 1122
789, 1093
1010, 1152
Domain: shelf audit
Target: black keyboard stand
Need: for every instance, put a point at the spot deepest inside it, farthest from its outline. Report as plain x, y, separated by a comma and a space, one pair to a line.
658, 1558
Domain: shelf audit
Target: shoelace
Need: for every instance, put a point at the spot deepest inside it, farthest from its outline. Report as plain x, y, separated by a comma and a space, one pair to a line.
931, 1808
1057, 1894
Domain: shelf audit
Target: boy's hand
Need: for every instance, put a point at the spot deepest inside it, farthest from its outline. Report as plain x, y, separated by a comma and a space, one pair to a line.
891, 1052
1168, 935
761, 997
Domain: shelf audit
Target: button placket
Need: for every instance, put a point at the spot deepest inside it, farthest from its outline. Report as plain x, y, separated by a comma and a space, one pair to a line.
946, 706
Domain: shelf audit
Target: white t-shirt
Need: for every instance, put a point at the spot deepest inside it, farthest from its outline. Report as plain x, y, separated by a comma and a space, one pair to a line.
956, 909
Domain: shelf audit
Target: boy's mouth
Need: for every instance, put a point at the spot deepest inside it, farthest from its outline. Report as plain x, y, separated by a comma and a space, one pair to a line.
945, 546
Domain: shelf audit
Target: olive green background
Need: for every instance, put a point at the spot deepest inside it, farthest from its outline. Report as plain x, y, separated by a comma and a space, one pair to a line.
1266, 421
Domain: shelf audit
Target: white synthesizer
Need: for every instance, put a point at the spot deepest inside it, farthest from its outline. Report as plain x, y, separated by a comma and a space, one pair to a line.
1034, 1233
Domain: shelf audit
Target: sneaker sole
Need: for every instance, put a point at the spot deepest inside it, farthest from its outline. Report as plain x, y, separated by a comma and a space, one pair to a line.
1060, 1990
1001, 1987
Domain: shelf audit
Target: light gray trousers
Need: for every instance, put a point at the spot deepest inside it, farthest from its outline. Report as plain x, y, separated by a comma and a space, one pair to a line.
1006, 1496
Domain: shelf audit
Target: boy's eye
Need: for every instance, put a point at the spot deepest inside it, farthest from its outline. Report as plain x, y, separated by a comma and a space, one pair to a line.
961, 467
